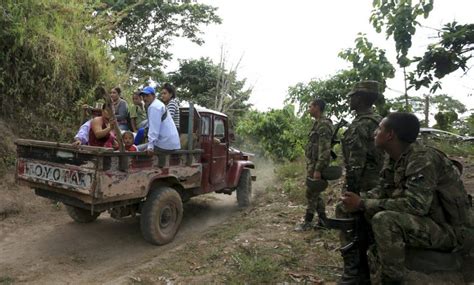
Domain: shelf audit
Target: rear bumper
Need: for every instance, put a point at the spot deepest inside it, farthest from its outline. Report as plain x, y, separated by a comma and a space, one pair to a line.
72, 201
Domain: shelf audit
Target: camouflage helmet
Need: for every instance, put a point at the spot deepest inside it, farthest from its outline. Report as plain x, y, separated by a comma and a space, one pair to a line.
367, 86
316, 185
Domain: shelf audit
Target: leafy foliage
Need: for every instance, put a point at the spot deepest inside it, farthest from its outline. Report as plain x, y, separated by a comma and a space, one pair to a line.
333, 90
444, 104
448, 111
454, 49
398, 17
368, 63
466, 126
279, 132
49, 64
198, 81
444, 120
141, 31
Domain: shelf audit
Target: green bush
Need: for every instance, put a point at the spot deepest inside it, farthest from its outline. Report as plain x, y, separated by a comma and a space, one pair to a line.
50, 64
280, 133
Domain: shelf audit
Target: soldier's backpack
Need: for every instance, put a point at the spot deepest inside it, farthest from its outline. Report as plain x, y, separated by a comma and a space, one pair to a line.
455, 201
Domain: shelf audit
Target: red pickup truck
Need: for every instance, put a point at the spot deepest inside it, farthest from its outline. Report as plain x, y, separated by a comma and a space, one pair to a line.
92, 180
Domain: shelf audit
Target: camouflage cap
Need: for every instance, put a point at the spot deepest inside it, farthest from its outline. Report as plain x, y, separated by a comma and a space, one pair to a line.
368, 86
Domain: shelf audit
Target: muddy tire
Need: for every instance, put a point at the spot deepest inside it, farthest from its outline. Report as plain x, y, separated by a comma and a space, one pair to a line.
161, 215
80, 215
244, 188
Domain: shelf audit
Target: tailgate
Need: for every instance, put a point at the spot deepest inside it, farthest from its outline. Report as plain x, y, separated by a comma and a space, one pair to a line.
47, 166
68, 177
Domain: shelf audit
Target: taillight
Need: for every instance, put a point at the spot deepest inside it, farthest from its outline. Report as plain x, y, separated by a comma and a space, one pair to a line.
21, 167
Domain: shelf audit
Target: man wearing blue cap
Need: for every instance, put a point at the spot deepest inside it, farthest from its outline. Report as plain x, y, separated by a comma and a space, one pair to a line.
162, 133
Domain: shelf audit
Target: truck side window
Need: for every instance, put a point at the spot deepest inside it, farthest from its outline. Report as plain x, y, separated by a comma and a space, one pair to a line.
219, 129
205, 126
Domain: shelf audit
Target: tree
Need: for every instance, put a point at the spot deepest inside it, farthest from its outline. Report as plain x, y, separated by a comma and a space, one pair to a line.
368, 63
445, 120
212, 86
49, 63
142, 31
444, 105
280, 133
398, 17
466, 126
452, 52
333, 90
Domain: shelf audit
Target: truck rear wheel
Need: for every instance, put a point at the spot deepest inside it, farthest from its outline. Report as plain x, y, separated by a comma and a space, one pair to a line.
81, 215
244, 188
161, 215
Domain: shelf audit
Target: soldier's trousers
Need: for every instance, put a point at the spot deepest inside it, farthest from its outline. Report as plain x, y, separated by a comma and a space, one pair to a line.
315, 202
341, 213
394, 231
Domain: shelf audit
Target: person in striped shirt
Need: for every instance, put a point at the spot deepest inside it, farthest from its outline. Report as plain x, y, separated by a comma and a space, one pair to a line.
168, 96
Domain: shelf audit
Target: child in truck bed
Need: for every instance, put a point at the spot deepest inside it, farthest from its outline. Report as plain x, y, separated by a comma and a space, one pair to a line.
128, 139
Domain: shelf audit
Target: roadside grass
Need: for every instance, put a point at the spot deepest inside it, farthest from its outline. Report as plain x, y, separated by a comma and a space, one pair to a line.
6, 280
291, 177
460, 149
254, 265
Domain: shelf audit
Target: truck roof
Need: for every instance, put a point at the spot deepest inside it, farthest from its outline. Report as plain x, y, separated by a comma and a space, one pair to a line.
205, 110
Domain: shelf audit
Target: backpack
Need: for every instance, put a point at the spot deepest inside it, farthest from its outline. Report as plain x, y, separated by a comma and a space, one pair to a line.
456, 204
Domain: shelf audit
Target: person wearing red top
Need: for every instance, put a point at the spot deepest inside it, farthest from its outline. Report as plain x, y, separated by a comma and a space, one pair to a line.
128, 139
101, 131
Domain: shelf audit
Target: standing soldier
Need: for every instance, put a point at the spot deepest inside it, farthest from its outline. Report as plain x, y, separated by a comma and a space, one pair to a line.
363, 163
318, 155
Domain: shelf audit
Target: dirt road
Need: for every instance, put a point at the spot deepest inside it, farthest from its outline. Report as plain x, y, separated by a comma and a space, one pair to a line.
47, 247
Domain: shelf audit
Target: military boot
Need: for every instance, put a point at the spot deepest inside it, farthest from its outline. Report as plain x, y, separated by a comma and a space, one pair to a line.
321, 225
353, 273
307, 224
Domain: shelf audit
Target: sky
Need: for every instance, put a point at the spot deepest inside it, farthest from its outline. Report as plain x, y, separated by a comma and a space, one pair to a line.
283, 43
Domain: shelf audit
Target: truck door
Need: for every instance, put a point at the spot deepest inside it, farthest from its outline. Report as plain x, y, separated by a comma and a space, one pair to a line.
219, 151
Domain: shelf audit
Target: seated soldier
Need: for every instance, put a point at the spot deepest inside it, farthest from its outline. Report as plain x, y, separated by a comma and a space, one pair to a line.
421, 201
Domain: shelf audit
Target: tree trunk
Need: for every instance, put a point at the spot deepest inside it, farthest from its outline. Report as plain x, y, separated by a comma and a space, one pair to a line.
407, 106
427, 110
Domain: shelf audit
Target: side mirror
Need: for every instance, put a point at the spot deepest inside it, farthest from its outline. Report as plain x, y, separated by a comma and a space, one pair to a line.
231, 136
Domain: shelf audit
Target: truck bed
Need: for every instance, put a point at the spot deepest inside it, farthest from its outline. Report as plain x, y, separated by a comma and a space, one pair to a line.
88, 176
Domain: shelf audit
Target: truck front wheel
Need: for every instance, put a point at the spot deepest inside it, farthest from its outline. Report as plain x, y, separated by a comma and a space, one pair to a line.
244, 188
161, 215
81, 215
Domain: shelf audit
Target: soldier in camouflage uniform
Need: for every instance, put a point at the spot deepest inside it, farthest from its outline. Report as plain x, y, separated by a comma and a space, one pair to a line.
318, 156
363, 163
420, 201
